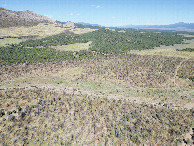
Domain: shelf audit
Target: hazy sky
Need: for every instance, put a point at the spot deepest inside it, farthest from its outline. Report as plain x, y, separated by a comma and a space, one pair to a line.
109, 12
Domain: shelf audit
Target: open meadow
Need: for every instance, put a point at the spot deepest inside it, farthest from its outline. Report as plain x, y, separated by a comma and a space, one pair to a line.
15, 35
169, 50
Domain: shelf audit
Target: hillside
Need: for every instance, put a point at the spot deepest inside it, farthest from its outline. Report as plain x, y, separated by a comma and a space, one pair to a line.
10, 18
81, 25
17, 26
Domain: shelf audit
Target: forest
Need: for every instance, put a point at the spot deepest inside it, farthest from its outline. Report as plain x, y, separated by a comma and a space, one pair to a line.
105, 42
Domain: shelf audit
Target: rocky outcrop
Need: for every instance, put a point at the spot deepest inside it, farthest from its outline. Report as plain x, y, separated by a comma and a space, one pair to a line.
10, 18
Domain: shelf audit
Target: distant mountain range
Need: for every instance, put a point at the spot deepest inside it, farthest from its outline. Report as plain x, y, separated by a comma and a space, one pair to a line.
83, 23
180, 25
10, 18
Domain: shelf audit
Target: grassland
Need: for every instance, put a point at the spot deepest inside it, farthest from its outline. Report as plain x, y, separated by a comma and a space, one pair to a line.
74, 47
169, 50
82, 30
187, 35
41, 30
6, 41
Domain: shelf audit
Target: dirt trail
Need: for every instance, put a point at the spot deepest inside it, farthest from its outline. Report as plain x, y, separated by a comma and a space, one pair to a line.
155, 102
176, 72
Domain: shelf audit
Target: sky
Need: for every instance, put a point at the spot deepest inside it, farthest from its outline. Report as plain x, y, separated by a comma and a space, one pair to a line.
109, 12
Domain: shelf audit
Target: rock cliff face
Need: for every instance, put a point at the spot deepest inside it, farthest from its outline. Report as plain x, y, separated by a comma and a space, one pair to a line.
10, 18
70, 24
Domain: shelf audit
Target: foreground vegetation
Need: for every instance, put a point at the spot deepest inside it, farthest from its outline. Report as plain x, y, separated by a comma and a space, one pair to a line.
47, 117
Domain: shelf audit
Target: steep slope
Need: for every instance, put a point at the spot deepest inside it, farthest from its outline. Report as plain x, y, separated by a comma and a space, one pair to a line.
10, 18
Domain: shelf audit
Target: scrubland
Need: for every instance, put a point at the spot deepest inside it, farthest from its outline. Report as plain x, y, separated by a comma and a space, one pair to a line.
144, 98
118, 100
